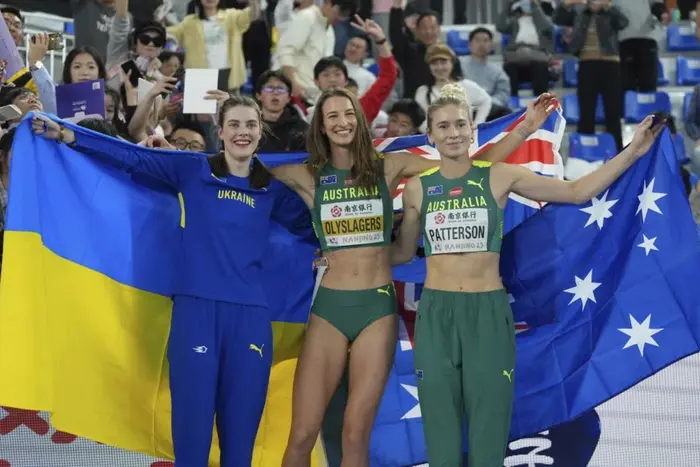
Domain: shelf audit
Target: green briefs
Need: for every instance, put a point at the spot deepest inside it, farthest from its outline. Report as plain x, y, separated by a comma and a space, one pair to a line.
351, 311
465, 357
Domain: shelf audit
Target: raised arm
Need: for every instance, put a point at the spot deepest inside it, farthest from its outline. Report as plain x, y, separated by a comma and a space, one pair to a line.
530, 185
298, 178
164, 166
536, 114
404, 247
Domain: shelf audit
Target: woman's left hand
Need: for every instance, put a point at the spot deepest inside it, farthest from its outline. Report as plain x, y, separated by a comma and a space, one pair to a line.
645, 135
539, 110
46, 127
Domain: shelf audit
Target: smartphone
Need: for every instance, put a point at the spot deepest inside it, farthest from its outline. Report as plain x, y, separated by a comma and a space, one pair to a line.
55, 40
130, 66
9, 113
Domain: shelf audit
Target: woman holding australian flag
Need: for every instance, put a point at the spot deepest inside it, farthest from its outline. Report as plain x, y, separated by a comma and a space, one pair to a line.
465, 336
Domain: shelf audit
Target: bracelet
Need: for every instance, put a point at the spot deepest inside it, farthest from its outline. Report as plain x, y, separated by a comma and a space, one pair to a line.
381, 41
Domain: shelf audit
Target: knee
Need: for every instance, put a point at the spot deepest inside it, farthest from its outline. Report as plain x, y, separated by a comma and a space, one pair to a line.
302, 440
356, 436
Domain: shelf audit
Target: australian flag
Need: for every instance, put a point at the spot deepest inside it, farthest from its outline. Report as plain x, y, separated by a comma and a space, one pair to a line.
618, 273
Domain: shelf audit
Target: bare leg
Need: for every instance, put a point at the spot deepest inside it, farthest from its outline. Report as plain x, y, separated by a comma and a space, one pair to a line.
321, 365
371, 357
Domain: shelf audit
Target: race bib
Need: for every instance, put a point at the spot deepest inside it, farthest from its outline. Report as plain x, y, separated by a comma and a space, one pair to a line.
457, 230
353, 222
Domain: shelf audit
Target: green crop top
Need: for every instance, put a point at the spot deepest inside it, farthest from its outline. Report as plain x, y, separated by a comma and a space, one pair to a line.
460, 215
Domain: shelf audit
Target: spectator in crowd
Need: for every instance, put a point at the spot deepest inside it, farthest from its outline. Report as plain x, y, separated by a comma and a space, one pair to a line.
409, 48
529, 54
286, 126
37, 49
152, 109
441, 60
330, 72
92, 20
142, 43
15, 24
356, 51
22, 98
692, 127
639, 50
83, 64
406, 118
171, 62
188, 135
313, 39
284, 11
213, 38
594, 41
490, 77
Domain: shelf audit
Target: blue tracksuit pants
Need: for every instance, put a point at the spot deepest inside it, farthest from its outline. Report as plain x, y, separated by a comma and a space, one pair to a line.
220, 356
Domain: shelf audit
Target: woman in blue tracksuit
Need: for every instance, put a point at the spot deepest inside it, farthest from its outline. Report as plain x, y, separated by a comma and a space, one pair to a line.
220, 346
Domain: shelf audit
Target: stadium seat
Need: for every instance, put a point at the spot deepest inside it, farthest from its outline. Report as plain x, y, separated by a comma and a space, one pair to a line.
517, 102
572, 112
69, 28
679, 144
592, 148
570, 73
249, 87
560, 47
587, 153
686, 104
459, 42
681, 38
640, 104
661, 79
687, 71
374, 68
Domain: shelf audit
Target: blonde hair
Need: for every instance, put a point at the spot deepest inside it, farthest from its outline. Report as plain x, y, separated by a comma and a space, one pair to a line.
450, 94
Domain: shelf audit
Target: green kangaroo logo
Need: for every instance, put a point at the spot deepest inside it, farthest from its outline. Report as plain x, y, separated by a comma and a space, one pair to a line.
257, 349
385, 291
473, 183
509, 374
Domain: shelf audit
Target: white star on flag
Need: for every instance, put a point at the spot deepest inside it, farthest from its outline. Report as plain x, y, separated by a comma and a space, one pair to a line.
640, 334
648, 199
584, 289
415, 411
599, 210
648, 244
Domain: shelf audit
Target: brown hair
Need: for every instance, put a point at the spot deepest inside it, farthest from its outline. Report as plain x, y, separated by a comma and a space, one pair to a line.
367, 169
259, 176
450, 94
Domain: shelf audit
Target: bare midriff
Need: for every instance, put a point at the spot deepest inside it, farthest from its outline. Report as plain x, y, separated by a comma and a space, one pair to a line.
357, 268
465, 272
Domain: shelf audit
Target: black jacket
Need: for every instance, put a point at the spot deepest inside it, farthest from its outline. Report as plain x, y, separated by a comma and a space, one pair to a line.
288, 134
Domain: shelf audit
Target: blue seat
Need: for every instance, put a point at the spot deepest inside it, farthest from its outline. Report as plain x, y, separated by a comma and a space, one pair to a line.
686, 104
374, 68
572, 111
661, 78
570, 73
249, 87
681, 38
459, 42
592, 148
679, 144
517, 102
640, 104
687, 71
69, 28
560, 47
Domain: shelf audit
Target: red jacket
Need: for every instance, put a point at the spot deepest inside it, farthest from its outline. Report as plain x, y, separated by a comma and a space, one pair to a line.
373, 100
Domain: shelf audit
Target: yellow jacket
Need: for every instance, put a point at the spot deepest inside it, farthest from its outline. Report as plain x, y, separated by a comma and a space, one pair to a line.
190, 36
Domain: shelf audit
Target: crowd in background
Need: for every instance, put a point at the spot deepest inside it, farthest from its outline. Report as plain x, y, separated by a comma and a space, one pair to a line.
291, 50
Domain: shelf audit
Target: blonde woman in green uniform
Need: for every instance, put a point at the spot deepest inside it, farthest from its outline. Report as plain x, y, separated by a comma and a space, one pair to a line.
348, 187
464, 336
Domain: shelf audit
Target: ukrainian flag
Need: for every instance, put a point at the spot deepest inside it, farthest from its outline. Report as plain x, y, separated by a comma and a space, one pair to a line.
88, 267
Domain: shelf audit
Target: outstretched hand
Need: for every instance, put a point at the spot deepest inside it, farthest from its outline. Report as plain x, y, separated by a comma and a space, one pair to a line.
539, 110
369, 27
645, 134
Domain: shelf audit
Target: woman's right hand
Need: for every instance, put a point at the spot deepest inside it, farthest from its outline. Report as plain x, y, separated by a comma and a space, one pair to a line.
46, 127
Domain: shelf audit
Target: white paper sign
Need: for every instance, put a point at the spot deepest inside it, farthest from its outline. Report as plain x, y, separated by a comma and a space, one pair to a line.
197, 83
